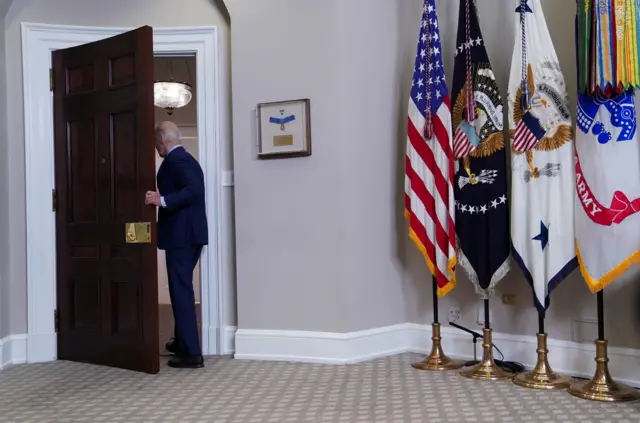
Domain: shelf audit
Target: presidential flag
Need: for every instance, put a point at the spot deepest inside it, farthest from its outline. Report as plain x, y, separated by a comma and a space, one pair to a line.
542, 172
482, 215
429, 202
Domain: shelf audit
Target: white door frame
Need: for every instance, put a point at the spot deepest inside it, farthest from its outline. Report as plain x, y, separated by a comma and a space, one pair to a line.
38, 41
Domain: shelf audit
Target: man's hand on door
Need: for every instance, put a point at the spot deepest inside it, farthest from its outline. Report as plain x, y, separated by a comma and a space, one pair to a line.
152, 198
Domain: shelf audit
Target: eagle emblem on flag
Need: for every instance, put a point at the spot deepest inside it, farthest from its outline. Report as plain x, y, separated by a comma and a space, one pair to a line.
483, 136
542, 182
482, 213
546, 125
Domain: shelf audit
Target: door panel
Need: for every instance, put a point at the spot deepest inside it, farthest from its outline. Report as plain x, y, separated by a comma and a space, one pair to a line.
107, 289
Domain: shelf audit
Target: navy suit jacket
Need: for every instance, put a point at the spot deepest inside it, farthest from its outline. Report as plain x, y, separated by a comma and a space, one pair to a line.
183, 222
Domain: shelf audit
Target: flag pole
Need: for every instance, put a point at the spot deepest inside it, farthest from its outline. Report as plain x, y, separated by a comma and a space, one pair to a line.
602, 387
487, 369
540, 323
434, 294
436, 360
542, 376
600, 301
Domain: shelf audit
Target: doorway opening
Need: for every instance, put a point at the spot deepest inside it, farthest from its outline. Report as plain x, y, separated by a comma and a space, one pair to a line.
181, 69
38, 41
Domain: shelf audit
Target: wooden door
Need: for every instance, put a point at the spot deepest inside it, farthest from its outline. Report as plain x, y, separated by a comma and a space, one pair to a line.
107, 288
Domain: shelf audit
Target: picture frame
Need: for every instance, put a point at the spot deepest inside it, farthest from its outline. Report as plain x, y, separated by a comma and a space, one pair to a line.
284, 129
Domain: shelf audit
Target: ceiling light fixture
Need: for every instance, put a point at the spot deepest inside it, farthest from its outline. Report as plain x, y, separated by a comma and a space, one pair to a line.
170, 94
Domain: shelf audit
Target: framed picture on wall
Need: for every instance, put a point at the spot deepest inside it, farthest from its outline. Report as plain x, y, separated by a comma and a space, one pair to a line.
284, 129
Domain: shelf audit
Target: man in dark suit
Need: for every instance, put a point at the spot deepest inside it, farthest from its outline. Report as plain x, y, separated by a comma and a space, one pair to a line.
182, 232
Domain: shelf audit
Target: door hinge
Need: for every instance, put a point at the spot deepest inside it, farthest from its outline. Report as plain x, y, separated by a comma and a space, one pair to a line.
54, 200
56, 320
51, 79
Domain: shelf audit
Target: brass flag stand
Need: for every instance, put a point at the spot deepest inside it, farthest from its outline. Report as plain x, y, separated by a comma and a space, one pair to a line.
602, 387
542, 376
436, 360
487, 369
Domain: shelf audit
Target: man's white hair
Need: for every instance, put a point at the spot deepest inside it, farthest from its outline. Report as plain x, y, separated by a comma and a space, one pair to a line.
169, 130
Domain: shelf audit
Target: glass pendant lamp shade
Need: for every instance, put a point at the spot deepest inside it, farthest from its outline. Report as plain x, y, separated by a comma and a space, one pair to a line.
170, 95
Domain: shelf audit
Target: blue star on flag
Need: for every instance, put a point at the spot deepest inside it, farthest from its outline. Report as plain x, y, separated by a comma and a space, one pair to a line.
543, 236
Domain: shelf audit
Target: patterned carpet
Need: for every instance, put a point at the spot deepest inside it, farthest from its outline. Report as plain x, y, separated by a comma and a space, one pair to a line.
232, 391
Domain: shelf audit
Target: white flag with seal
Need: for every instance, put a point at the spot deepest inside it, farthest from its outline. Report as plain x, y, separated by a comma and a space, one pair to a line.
542, 167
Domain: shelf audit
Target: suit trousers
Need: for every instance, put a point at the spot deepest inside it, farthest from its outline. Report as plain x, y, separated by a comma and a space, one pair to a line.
180, 265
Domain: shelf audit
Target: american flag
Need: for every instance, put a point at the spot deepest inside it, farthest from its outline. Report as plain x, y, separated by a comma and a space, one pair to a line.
429, 202
528, 133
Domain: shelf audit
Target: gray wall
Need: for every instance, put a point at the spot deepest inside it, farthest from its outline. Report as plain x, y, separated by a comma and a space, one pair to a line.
321, 242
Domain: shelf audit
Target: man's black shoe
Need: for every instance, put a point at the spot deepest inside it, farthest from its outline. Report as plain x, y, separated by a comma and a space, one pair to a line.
186, 362
172, 346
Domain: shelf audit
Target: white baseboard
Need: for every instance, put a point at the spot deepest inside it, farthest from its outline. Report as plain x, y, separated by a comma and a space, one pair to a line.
322, 347
567, 357
13, 350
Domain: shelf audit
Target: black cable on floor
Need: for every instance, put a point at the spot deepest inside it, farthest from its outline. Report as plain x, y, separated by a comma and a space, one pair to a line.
509, 366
